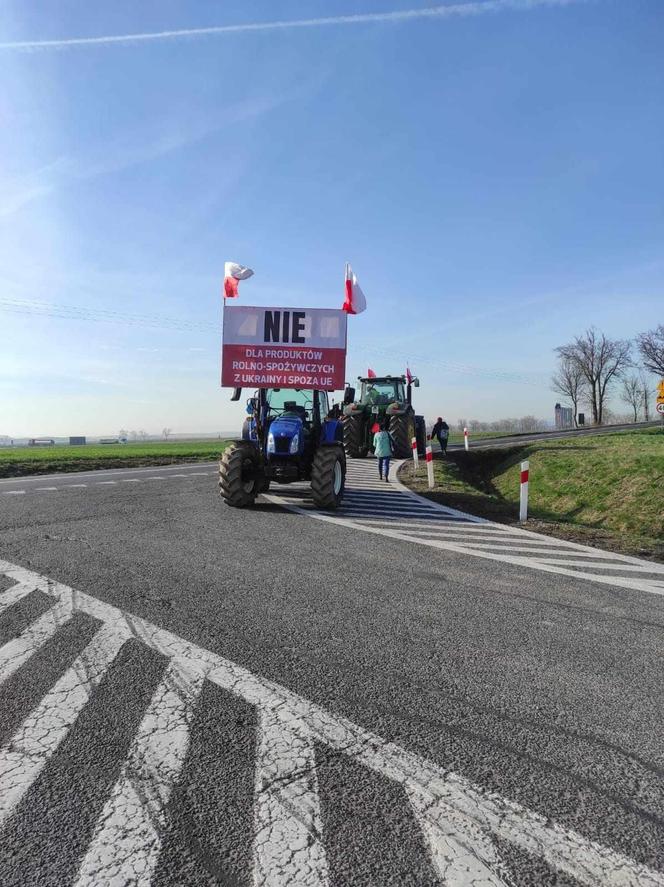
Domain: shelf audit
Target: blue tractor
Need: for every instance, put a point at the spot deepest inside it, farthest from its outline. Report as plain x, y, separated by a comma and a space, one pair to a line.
289, 435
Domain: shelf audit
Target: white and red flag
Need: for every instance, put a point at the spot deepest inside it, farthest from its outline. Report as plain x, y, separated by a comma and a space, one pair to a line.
370, 374
233, 274
409, 376
354, 303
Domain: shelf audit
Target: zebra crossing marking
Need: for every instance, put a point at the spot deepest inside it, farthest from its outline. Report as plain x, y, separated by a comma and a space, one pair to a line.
288, 846
460, 819
398, 513
126, 846
24, 756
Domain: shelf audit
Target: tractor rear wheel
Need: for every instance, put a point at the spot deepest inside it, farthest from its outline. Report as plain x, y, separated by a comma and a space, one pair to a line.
239, 475
354, 442
402, 429
328, 477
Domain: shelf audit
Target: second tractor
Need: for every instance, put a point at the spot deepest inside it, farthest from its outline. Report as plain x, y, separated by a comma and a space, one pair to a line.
382, 398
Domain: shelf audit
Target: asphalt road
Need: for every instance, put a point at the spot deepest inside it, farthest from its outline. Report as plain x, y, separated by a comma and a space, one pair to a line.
517, 439
396, 694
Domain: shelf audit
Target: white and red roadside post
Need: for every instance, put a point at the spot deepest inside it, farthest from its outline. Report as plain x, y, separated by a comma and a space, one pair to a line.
523, 502
465, 438
430, 466
416, 458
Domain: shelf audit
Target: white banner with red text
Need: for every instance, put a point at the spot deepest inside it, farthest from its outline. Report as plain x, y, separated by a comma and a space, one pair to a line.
283, 348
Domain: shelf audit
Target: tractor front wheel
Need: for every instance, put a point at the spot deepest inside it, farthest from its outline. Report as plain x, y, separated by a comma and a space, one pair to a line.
240, 478
402, 429
354, 442
328, 477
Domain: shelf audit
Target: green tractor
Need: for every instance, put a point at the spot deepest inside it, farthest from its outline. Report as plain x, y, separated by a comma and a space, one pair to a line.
382, 397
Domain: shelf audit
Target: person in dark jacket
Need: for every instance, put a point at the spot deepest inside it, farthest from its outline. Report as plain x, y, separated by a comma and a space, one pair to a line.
441, 431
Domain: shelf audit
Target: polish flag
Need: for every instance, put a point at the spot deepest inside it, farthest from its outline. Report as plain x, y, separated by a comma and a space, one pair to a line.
355, 303
233, 274
409, 376
370, 374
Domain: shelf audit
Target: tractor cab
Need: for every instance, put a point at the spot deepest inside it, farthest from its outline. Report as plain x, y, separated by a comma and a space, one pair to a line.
381, 392
290, 434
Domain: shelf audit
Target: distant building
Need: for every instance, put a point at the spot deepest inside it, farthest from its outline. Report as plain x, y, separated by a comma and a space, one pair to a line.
564, 417
77, 441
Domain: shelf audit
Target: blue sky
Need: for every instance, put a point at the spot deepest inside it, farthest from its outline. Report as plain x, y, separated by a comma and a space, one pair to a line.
495, 179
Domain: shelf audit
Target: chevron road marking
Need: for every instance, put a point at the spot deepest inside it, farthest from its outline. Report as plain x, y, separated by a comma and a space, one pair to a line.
460, 820
396, 512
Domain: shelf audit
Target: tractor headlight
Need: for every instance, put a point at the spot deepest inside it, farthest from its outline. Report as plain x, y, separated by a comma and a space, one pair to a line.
294, 444
270, 442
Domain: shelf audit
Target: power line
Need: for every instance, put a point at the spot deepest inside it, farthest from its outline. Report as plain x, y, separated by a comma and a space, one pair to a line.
34, 307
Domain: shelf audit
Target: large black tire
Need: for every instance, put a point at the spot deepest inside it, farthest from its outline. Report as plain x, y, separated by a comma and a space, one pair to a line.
239, 475
328, 477
402, 429
354, 436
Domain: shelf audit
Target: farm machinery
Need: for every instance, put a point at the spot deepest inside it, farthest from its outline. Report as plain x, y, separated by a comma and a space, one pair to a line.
289, 435
381, 398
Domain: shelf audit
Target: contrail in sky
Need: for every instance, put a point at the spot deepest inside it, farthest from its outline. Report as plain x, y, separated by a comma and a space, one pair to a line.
449, 10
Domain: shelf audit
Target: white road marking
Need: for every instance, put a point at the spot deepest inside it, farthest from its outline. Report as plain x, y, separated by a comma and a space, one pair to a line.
13, 493
106, 483
25, 754
457, 815
14, 594
127, 841
461, 851
600, 565
46, 489
411, 518
155, 478
74, 486
134, 480
288, 847
104, 472
16, 652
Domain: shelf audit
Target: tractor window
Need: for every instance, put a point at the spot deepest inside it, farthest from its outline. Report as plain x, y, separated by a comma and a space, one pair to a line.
278, 398
324, 407
382, 393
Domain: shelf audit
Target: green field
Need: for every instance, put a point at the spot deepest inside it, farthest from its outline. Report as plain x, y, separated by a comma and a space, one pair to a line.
19, 461
605, 490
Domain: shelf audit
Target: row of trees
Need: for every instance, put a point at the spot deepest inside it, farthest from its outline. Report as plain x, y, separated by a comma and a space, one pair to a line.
591, 365
523, 424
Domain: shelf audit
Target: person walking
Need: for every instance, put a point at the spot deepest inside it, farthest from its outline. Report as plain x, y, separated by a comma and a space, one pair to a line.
383, 449
441, 431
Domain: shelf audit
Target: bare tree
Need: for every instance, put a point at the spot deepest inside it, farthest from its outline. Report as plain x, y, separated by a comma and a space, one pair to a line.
133, 435
651, 347
143, 435
632, 393
601, 361
166, 432
570, 382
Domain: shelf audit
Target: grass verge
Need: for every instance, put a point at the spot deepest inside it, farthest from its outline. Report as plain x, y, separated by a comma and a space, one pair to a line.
23, 461
605, 490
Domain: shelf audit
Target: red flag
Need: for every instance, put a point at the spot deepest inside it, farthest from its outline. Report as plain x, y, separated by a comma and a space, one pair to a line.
354, 303
409, 376
233, 274
370, 374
